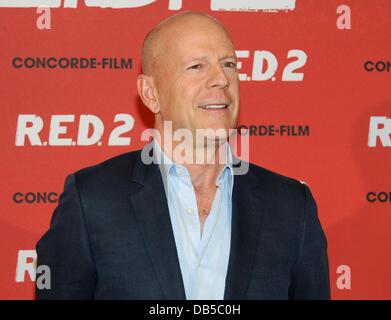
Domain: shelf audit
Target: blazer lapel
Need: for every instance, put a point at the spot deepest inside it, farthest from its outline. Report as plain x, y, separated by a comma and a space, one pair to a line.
151, 209
247, 216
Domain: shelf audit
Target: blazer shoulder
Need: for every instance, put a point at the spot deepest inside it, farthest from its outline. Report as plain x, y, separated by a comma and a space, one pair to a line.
272, 176
116, 168
274, 181
288, 196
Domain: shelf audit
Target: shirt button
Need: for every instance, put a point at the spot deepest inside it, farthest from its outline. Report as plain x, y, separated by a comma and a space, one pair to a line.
189, 211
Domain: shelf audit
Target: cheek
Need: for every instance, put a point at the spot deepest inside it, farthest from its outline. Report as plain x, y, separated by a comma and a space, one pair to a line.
189, 91
180, 101
234, 85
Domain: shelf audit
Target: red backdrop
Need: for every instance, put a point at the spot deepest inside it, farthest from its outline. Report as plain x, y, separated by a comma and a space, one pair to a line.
340, 82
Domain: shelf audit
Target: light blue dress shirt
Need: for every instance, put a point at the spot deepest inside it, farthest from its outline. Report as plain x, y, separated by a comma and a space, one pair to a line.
203, 257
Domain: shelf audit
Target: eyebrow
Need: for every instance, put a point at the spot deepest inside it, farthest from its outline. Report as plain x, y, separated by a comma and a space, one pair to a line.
204, 58
228, 56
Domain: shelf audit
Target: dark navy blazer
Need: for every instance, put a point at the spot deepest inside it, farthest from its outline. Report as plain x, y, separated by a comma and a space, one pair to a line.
110, 237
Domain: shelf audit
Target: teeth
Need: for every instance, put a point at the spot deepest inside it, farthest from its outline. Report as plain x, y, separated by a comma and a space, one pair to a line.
214, 106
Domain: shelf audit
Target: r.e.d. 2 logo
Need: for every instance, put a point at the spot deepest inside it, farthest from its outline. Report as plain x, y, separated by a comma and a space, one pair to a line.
90, 130
265, 65
379, 130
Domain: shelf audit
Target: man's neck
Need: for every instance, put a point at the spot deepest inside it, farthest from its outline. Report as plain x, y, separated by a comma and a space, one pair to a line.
204, 170
203, 177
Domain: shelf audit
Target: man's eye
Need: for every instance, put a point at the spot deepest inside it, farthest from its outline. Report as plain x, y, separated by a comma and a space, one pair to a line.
196, 66
230, 64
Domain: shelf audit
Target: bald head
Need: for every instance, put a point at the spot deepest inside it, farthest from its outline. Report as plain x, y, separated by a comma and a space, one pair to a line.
157, 38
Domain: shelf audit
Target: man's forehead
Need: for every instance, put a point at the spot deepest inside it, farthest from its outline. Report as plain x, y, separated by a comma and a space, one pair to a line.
186, 32
199, 44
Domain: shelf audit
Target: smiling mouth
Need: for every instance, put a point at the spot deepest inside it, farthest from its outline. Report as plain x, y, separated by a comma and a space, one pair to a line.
214, 107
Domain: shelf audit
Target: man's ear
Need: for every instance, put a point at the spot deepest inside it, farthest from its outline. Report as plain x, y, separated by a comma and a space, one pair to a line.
147, 92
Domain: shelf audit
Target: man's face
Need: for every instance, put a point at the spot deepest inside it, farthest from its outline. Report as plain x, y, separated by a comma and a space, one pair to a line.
197, 79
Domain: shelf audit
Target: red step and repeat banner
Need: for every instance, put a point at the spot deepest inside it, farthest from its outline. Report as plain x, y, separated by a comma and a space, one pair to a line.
315, 98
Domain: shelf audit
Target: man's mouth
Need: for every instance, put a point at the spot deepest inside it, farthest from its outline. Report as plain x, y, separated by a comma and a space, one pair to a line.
214, 106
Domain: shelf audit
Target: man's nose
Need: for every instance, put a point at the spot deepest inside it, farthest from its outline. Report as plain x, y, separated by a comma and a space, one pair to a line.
217, 77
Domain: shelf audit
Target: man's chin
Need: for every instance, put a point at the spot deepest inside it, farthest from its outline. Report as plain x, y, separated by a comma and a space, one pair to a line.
218, 133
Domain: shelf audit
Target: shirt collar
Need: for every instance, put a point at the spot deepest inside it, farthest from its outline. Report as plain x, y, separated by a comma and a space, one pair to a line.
164, 161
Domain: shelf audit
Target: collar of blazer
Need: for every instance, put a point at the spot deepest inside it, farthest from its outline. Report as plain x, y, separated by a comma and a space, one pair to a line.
150, 207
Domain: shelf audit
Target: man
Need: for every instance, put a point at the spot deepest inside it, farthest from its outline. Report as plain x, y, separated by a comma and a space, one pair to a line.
180, 229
